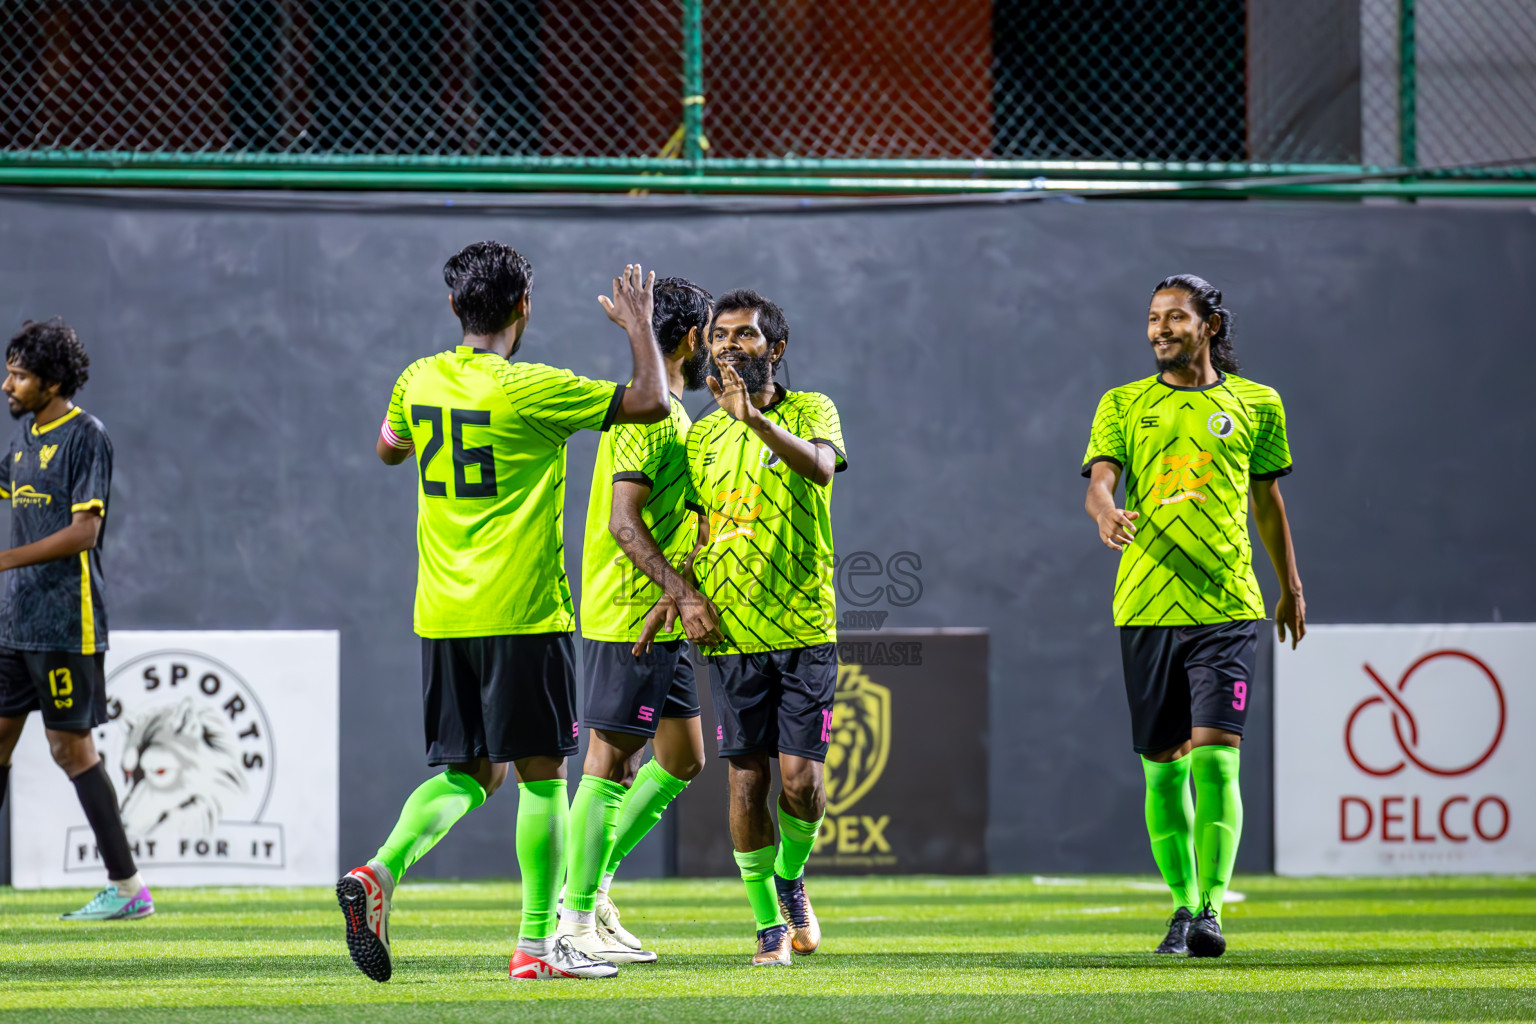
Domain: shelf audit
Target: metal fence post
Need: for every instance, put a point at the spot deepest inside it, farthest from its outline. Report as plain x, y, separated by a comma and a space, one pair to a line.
693, 85
1407, 88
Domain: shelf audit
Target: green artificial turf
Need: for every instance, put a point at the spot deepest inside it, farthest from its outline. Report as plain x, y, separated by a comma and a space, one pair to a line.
895, 949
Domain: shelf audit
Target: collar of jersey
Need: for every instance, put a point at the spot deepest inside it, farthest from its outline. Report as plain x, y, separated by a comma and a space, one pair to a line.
781, 393
471, 350
1221, 379
37, 430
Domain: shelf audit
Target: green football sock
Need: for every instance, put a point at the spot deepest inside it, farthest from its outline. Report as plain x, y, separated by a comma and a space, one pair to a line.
541, 821
796, 837
1171, 827
654, 789
1218, 819
594, 817
757, 873
427, 816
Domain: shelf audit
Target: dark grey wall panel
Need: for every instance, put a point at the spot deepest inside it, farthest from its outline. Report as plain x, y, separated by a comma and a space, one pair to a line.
242, 358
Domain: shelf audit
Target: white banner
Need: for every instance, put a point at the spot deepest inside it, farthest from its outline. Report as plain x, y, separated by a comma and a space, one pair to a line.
223, 747
1406, 750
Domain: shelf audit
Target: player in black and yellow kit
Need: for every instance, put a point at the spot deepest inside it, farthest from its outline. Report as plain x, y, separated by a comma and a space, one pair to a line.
57, 475
1194, 443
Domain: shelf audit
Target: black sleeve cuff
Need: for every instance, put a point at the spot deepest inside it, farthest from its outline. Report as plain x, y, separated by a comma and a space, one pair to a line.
634, 475
1276, 475
842, 460
693, 506
1088, 466
613, 407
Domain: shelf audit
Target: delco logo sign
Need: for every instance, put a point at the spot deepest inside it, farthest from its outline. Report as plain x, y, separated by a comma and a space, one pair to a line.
1392, 753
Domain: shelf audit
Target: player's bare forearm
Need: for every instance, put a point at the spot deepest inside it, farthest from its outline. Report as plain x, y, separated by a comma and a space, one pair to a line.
635, 540
80, 535
1102, 481
1275, 532
816, 462
389, 454
645, 400
1117, 527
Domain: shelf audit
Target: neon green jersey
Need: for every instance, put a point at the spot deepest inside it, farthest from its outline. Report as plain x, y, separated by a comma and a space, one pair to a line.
490, 453
615, 595
768, 566
1187, 456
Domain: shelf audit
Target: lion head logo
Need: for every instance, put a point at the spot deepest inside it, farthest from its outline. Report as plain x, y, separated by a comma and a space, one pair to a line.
860, 738
182, 766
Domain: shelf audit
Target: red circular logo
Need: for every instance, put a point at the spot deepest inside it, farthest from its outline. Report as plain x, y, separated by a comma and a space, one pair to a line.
1403, 720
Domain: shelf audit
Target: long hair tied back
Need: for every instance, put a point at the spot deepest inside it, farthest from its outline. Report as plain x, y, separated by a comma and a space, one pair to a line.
1207, 300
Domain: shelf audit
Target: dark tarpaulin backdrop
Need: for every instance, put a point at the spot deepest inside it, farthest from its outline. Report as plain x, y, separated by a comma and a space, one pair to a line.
243, 348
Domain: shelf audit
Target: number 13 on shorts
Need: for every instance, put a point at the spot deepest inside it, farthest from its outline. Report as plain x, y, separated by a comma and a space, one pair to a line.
62, 685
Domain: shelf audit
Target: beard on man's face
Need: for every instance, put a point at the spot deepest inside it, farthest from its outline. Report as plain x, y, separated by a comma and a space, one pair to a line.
755, 373
695, 369
1178, 362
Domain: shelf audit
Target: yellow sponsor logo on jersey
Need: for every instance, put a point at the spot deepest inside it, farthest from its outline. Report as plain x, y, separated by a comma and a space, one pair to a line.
736, 513
45, 456
27, 495
1182, 479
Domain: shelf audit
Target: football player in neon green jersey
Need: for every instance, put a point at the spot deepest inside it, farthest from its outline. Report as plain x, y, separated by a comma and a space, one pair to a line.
641, 527
762, 465
493, 607
1194, 443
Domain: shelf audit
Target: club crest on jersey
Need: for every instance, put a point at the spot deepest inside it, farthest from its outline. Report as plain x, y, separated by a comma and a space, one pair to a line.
1221, 425
768, 458
45, 455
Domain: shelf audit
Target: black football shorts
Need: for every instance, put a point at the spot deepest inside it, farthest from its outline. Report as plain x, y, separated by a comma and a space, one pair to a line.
499, 697
69, 689
1179, 677
628, 693
777, 701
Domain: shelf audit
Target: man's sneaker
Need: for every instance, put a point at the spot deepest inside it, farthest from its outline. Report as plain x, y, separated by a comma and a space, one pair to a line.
608, 919
364, 894
110, 905
1205, 938
804, 929
773, 947
565, 962
600, 943
1178, 927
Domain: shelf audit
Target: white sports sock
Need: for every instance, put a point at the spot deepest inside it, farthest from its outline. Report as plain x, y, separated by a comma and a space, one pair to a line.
128, 887
541, 948
602, 887
581, 919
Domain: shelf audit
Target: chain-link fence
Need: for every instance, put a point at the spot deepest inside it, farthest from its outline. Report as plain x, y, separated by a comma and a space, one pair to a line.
1252, 86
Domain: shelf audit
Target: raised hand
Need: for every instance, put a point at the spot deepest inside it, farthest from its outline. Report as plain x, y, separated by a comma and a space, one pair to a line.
1115, 528
731, 393
633, 298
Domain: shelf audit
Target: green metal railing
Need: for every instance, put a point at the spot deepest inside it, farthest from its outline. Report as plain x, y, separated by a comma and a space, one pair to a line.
523, 96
